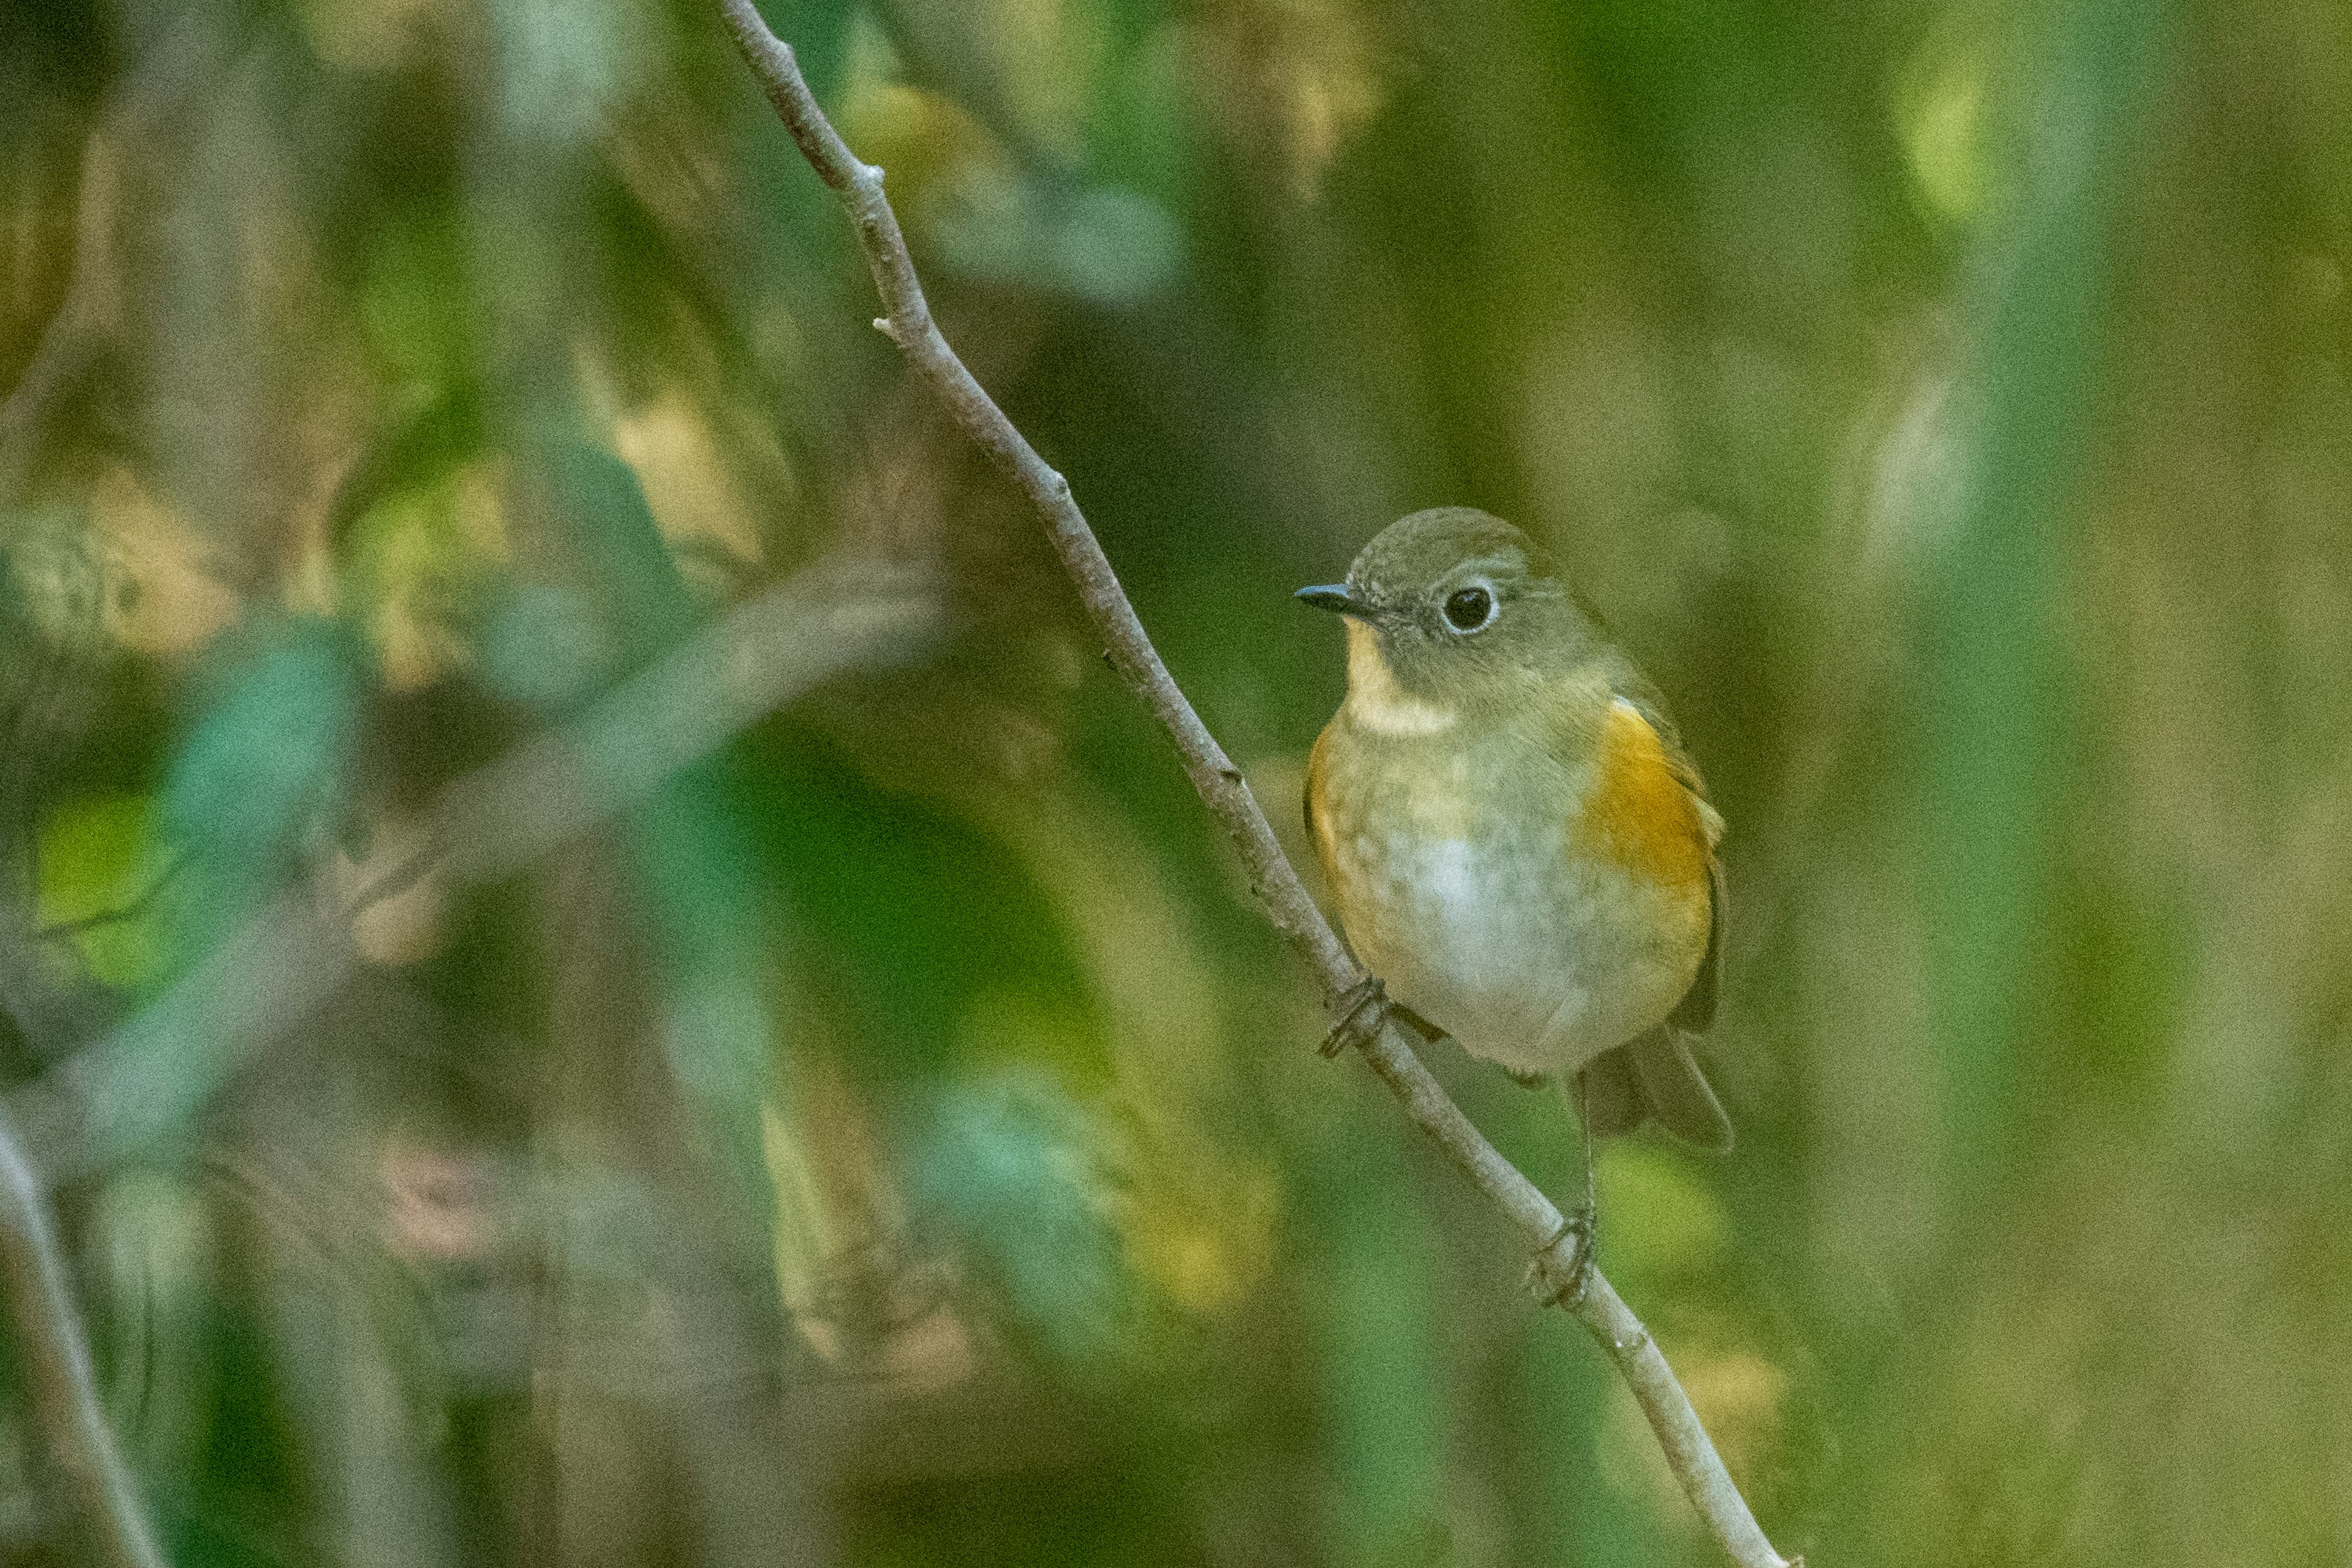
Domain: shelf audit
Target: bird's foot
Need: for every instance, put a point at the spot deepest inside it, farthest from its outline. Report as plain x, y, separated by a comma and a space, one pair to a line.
1364, 1008
1562, 1269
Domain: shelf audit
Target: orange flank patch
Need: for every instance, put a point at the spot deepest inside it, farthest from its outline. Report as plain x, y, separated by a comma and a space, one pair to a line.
1638, 812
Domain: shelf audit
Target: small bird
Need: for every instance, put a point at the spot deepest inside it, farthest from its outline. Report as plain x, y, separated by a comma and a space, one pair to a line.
1516, 841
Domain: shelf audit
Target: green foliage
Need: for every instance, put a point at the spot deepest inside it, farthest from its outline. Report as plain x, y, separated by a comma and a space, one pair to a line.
260, 779
1010, 1172
896, 1134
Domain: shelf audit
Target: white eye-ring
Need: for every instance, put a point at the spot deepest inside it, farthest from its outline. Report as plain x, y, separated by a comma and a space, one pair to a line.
1472, 609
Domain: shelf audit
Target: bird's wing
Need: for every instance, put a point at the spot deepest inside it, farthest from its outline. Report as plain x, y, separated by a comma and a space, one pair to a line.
1696, 1012
1654, 1074
1633, 686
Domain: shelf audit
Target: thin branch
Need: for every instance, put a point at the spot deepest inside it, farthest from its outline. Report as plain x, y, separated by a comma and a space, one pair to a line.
57, 1372
138, 904
909, 325
1566, 1277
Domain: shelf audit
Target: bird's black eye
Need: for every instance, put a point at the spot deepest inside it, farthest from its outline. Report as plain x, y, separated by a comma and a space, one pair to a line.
1469, 609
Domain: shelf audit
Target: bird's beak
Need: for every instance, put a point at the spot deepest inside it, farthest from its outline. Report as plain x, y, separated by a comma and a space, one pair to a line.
1332, 596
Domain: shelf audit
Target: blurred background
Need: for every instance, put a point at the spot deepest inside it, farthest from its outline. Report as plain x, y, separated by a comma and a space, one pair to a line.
600, 975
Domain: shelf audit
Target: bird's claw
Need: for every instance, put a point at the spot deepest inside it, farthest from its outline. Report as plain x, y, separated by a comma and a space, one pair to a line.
1558, 1283
1364, 1008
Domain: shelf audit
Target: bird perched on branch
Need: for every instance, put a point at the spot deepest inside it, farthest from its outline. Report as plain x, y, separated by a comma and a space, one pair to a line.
1518, 844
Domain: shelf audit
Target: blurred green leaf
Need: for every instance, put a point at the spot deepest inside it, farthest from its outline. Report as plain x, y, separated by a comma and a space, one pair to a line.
264, 765
98, 862
1011, 1171
1945, 402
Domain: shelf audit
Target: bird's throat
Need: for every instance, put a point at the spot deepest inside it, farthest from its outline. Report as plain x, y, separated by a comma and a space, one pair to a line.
1376, 702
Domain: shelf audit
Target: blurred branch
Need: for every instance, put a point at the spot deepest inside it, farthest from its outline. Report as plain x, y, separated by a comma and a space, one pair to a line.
54, 1355
71, 338
180, 56
147, 1076
937, 47
686, 705
52, 1347
1352, 996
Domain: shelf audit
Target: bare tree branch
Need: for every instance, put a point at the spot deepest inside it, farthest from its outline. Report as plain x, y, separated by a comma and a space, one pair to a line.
57, 1372
1568, 1275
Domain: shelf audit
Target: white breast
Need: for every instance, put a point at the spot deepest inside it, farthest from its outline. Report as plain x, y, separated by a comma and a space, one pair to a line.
1497, 941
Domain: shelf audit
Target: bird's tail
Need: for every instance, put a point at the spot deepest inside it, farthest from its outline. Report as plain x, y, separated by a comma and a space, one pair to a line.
1652, 1075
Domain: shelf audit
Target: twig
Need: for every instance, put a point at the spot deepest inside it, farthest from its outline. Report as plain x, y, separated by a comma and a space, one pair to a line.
57, 1372
1566, 1277
138, 904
